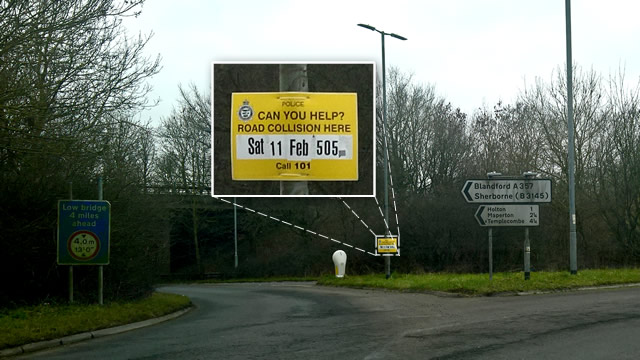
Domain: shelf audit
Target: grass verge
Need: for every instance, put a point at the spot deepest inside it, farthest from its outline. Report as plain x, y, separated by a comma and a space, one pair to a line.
479, 284
46, 321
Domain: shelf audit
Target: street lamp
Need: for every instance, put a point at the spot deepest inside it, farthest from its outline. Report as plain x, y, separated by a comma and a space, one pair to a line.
573, 255
387, 262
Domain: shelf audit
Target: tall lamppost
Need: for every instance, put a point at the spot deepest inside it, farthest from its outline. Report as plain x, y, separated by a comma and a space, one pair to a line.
387, 261
573, 252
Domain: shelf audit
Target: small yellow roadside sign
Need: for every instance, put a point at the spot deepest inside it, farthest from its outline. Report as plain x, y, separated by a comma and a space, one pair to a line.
387, 244
294, 136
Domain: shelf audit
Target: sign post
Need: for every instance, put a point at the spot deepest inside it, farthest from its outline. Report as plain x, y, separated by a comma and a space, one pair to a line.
490, 254
100, 267
527, 255
293, 77
70, 266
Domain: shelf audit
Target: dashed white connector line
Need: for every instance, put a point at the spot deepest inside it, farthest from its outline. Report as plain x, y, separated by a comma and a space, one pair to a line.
395, 209
386, 225
358, 217
296, 226
393, 193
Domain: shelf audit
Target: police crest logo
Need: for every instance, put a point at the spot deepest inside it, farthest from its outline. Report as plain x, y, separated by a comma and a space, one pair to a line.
245, 112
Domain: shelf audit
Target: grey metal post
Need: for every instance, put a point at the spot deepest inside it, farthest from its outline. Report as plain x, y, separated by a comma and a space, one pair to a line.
490, 254
235, 233
293, 77
387, 259
491, 175
527, 244
100, 267
70, 266
527, 255
573, 262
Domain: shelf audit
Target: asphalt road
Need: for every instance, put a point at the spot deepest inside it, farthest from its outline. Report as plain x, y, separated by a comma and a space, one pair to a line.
304, 321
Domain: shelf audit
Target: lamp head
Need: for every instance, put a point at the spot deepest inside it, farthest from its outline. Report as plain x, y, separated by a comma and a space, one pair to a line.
398, 36
367, 27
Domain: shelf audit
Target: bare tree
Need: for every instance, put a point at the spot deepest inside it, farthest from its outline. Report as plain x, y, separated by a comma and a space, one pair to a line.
616, 184
427, 136
450, 148
507, 140
185, 139
71, 80
185, 158
546, 104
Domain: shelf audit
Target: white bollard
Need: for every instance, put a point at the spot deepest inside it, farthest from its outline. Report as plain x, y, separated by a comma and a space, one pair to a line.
340, 261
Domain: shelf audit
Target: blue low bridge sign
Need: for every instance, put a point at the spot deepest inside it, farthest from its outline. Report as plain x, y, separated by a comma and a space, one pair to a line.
83, 232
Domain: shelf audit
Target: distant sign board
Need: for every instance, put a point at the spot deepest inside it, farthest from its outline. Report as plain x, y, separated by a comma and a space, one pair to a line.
387, 245
83, 232
508, 215
294, 136
503, 191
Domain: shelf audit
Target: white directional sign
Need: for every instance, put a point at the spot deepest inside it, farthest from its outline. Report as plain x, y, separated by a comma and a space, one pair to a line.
508, 215
504, 191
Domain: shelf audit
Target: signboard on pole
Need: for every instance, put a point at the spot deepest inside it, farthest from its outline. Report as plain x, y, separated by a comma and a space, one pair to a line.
504, 191
294, 136
387, 245
83, 232
508, 215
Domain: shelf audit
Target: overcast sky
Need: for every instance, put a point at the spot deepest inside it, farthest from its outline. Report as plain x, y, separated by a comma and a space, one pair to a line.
475, 52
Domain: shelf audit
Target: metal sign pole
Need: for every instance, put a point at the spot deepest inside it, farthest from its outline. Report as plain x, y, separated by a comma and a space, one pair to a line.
491, 175
527, 255
527, 244
70, 266
235, 233
100, 268
490, 254
293, 77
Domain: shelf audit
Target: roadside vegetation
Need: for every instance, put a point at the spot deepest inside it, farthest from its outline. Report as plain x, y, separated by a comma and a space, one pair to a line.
48, 321
479, 284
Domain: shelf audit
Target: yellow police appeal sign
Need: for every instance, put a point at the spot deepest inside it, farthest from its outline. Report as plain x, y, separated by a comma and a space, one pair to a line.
387, 244
294, 136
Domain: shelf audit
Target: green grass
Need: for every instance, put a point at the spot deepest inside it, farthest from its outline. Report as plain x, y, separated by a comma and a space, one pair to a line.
479, 284
46, 321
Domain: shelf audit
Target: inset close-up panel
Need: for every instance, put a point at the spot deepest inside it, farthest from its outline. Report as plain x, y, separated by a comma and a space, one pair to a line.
293, 129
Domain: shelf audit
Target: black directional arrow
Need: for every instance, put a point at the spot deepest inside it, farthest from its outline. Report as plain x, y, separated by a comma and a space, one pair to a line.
465, 191
479, 215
